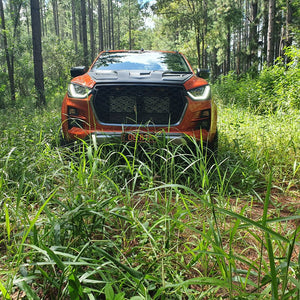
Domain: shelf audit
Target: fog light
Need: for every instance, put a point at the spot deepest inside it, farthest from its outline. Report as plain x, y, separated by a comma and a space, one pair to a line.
72, 111
205, 113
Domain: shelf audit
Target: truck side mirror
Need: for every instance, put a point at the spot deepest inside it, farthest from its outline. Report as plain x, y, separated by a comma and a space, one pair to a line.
77, 71
203, 73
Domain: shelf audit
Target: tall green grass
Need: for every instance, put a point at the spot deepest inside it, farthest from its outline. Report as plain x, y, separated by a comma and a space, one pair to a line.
150, 222
263, 143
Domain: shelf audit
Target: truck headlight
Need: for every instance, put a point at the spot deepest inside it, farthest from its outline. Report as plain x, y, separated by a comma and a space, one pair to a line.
78, 91
200, 93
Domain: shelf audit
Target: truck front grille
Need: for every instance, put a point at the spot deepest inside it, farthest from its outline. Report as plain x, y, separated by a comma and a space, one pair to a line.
139, 104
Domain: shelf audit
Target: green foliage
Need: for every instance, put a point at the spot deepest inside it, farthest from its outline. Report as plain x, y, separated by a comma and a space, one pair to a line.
275, 89
59, 56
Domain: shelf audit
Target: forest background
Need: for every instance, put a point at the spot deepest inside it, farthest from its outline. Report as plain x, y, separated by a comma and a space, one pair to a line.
229, 35
107, 221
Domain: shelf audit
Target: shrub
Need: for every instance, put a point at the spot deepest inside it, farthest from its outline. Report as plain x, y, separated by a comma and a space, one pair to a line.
276, 88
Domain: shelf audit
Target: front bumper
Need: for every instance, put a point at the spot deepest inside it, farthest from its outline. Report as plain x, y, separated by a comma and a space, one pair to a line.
139, 137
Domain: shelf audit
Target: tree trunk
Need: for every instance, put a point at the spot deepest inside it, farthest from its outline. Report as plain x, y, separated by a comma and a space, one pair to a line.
9, 60
79, 27
278, 37
271, 28
91, 22
238, 51
118, 30
197, 34
100, 26
74, 30
129, 24
288, 40
214, 65
239, 44
84, 33
42, 19
289, 17
228, 64
55, 17
205, 14
105, 43
203, 49
253, 44
265, 31
109, 23
112, 26
27, 20
246, 34
37, 52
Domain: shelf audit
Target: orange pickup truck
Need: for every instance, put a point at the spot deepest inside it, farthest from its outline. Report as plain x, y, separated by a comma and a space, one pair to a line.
139, 96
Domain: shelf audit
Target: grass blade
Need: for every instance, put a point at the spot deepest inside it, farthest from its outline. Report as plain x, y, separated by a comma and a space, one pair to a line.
74, 287
30, 293
131, 271
32, 223
7, 222
4, 292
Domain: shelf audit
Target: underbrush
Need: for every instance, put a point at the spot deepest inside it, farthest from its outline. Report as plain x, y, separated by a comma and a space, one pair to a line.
149, 222
274, 90
262, 144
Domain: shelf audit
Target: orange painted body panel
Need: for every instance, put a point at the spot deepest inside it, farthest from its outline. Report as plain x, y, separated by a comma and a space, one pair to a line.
90, 124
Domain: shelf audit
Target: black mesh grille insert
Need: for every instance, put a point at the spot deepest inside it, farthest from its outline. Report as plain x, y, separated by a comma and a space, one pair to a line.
139, 104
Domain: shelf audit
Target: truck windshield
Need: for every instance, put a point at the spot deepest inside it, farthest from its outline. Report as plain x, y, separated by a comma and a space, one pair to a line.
141, 60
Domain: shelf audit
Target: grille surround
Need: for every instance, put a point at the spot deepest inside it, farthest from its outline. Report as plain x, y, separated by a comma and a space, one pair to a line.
139, 104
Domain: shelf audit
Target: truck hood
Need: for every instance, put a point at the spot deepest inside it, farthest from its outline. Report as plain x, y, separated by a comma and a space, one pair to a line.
140, 76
